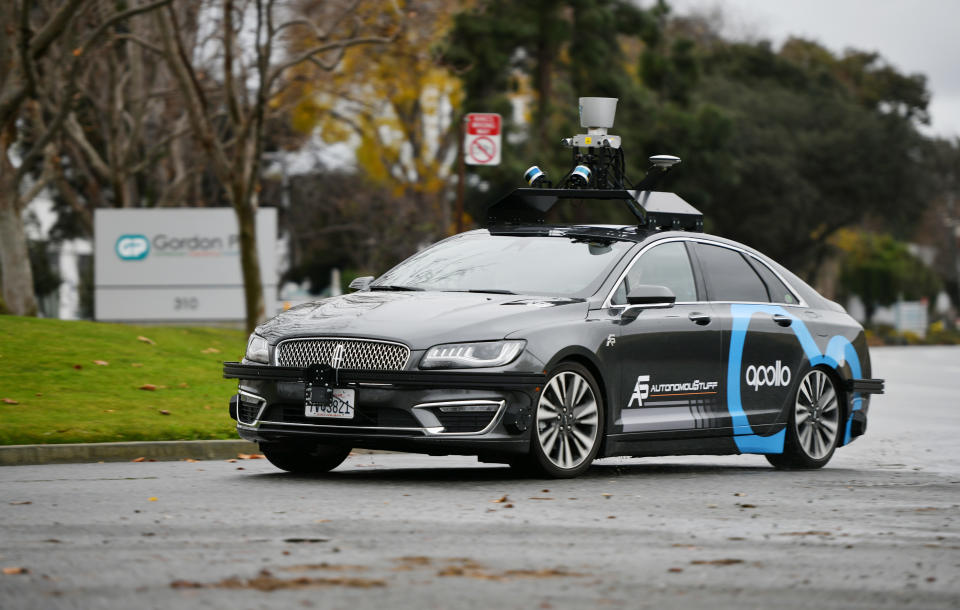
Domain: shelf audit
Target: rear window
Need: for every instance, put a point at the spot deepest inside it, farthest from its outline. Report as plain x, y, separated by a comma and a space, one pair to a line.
729, 277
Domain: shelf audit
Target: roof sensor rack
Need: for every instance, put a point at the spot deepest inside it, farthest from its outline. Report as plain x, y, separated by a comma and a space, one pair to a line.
598, 174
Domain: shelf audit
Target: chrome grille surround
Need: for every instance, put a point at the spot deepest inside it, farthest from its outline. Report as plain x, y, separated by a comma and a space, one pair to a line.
355, 354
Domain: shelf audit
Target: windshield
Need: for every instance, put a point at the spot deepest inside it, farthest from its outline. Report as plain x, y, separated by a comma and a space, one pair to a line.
507, 264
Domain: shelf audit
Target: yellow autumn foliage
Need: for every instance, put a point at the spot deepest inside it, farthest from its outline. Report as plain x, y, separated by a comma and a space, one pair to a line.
397, 99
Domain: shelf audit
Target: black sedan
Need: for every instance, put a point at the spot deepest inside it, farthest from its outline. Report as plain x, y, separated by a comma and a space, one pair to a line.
547, 346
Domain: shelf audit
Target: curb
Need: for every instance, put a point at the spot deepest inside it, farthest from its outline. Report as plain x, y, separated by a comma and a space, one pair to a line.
23, 455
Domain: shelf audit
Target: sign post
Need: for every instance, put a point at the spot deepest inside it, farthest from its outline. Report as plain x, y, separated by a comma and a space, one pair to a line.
480, 144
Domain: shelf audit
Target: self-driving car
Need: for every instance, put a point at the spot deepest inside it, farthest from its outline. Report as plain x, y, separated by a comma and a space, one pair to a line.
546, 346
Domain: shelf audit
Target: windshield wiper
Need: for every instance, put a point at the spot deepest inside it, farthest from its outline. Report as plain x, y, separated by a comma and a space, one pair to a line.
397, 288
485, 291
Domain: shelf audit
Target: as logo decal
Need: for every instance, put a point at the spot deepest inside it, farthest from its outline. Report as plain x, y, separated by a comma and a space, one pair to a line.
774, 375
641, 391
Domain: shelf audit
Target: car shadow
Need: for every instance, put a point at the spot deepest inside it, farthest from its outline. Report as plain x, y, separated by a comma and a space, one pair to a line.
502, 473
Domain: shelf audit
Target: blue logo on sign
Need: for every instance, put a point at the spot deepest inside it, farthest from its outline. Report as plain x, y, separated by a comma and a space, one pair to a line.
133, 247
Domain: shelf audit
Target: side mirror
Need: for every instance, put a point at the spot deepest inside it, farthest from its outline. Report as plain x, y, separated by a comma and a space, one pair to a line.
361, 283
647, 294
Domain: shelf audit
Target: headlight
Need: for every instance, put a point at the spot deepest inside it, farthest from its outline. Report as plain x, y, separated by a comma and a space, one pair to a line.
471, 355
258, 350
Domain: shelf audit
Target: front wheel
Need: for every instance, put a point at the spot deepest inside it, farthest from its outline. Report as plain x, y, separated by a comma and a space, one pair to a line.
568, 424
302, 459
813, 429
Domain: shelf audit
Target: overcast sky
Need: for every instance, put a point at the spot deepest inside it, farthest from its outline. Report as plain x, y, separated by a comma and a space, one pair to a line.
913, 35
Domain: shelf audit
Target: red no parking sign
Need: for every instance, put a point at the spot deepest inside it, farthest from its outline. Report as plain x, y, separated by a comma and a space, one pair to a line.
481, 145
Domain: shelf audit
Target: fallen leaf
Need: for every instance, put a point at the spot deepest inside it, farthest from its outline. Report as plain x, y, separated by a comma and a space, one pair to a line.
305, 540
508, 505
538, 498
38, 394
545, 491
148, 387
139, 459
231, 461
78, 366
500, 501
10, 401
16, 570
182, 385
191, 460
164, 412
675, 570
321, 520
250, 456
152, 498
101, 363
240, 468
738, 494
746, 505
78, 52
716, 562
109, 411
136, 365
211, 350
21, 503
611, 517
146, 340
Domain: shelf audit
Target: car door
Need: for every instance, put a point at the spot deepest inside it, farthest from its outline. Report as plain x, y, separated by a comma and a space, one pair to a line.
762, 355
669, 356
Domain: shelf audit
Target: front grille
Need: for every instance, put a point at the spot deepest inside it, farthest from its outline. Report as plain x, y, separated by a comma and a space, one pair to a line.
383, 417
353, 353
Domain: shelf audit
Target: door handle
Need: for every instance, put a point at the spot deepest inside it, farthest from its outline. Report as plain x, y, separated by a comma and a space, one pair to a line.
782, 320
701, 319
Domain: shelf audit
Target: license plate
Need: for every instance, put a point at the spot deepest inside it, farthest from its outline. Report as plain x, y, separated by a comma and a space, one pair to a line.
340, 405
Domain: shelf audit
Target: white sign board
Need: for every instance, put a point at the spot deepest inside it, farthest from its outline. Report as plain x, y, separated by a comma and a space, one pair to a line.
177, 264
483, 138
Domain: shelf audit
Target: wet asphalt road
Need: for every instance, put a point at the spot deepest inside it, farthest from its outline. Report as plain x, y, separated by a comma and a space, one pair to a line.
878, 528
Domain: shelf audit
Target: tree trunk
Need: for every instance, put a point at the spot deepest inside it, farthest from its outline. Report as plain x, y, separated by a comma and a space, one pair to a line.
250, 263
14, 257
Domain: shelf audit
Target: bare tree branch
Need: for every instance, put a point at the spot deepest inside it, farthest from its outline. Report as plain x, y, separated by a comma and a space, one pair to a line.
53, 28
340, 44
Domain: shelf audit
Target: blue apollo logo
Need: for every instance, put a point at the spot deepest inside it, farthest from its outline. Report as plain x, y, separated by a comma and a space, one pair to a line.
132, 247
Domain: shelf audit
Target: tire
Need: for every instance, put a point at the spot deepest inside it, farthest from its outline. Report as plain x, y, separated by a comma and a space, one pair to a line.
305, 459
814, 425
568, 425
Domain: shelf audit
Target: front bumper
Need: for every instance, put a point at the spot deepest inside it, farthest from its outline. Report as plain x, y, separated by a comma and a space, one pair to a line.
439, 412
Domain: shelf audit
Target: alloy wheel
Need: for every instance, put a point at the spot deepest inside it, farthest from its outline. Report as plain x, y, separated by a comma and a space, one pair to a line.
568, 420
817, 415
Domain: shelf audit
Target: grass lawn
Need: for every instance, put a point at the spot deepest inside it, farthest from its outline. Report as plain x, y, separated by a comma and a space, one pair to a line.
50, 368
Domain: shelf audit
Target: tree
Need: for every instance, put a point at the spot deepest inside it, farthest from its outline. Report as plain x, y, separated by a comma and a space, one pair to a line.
400, 106
33, 30
228, 118
881, 270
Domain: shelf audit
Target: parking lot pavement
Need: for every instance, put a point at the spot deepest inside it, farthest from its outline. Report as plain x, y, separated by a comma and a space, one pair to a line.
878, 528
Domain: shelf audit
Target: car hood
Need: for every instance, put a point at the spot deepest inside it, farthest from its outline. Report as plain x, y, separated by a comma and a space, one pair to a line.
420, 319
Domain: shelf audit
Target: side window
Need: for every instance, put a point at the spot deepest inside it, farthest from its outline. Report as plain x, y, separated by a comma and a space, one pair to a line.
664, 265
779, 293
729, 277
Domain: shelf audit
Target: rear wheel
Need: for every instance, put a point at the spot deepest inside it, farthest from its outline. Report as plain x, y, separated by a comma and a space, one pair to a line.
304, 459
568, 424
813, 429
